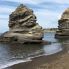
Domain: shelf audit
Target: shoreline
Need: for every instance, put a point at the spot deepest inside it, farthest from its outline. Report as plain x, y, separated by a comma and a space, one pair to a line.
58, 60
43, 62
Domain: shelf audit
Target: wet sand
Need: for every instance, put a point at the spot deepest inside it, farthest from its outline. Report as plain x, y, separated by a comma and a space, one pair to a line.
56, 61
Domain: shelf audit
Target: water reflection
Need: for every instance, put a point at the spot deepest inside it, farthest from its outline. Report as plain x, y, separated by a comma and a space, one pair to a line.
50, 37
4, 53
53, 48
65, 44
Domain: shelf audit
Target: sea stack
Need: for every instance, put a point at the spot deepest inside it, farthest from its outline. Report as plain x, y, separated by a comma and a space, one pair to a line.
63, 25
23, 26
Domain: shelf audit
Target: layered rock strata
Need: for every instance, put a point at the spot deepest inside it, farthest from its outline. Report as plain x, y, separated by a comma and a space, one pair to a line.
23, 26
63, 25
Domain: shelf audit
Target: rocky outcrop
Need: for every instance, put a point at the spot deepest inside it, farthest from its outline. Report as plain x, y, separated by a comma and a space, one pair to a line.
63, 25
23, 26
21, 19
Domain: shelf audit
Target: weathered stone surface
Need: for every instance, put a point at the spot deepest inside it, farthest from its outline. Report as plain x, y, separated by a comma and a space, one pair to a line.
63, 25
23, 26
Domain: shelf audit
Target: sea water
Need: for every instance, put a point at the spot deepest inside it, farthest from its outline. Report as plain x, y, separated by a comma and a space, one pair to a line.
11, 54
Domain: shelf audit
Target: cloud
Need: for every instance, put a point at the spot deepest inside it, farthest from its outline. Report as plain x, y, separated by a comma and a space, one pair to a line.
59, 1
23, 1
3, 25
47, 19
40, 1
47, 11
8, 3
52, 1
4, 17
6, 10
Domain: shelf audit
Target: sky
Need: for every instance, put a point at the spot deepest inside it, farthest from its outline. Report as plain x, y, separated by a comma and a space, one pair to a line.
48, 12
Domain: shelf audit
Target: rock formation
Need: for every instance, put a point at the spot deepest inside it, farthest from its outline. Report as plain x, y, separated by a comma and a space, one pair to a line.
23, 26
63, 25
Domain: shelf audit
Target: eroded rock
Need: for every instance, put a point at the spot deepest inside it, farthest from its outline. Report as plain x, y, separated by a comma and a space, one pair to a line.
63, 25
23, 26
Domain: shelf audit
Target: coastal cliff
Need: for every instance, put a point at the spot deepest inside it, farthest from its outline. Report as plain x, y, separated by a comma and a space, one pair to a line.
63, 25
23, 26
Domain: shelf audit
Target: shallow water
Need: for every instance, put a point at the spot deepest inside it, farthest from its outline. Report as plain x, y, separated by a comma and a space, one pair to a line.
11, 54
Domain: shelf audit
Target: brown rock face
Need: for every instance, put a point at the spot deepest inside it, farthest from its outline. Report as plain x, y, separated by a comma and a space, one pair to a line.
63, 24
23, 26
22, 18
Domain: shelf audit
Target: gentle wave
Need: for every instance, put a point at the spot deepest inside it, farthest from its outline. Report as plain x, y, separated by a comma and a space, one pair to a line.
18, 61
14, 62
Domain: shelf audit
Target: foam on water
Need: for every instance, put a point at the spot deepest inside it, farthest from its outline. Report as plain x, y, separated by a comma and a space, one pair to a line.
13, 63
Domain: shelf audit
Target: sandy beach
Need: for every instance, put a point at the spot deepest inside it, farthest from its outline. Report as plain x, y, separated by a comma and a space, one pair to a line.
56, 61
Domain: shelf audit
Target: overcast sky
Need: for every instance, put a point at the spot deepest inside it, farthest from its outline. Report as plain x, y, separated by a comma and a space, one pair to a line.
47, 11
